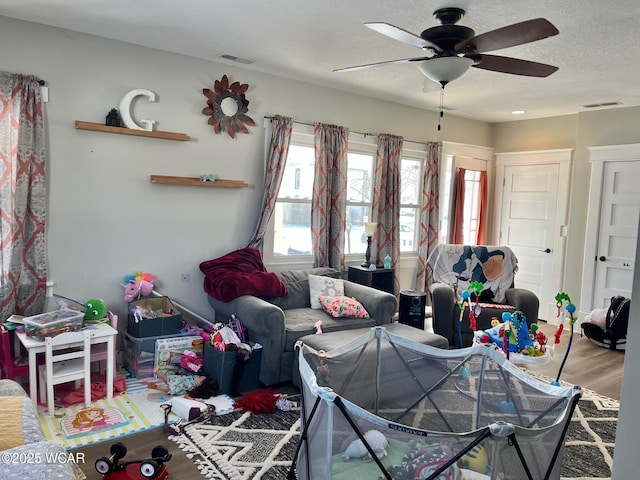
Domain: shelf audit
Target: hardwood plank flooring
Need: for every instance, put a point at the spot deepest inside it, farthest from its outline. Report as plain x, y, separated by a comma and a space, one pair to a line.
589, 366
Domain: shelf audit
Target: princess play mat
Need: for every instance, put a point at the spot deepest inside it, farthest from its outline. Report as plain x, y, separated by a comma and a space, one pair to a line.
383, 407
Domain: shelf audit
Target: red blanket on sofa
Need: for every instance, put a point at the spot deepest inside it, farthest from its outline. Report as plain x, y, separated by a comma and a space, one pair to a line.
240, 273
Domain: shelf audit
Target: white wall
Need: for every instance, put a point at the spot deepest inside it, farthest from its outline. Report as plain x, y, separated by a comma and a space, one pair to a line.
106, 220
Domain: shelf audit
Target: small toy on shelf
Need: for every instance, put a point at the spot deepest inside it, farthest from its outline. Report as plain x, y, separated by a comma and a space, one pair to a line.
112, 469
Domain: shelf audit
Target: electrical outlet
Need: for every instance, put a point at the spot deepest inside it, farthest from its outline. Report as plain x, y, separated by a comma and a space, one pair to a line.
185, 277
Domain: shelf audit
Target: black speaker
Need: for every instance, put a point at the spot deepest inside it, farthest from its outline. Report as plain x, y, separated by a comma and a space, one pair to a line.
412, 306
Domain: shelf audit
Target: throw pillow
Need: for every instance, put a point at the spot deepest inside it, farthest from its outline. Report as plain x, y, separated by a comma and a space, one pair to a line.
319, 285
341, 306
10, 415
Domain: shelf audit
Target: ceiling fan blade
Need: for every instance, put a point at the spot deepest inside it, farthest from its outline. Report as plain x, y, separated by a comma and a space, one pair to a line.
379, 64
401, 35
514, 66
509, 36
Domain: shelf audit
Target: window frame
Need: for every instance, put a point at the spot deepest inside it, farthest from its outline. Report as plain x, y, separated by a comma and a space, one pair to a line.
366, 144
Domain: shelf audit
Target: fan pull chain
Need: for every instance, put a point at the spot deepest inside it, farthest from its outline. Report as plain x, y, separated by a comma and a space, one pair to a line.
441, 108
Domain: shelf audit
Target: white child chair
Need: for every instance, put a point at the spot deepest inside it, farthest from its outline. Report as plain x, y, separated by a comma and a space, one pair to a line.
99, 352
67, 358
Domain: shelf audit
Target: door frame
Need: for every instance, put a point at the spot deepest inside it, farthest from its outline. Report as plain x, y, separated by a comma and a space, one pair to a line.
564, 158
598, 156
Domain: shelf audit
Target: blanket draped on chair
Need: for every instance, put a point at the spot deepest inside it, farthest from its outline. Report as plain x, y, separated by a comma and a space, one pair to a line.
238, 273
459, 265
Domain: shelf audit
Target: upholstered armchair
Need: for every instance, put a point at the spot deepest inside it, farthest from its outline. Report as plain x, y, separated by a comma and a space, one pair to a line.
453, 267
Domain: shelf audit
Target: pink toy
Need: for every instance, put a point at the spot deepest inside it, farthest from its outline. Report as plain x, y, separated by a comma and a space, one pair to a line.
136, 289
141, 284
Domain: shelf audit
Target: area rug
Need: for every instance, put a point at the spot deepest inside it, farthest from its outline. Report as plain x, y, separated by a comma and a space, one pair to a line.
245, 446
134, 411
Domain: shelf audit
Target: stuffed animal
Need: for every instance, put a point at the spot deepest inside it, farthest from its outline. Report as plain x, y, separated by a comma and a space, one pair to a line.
356, 449
95, 309
136, 289
139, 285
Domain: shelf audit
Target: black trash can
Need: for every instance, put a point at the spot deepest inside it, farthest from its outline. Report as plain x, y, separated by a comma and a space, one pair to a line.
412, 306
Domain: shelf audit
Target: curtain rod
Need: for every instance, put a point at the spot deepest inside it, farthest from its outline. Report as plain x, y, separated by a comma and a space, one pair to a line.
364, 134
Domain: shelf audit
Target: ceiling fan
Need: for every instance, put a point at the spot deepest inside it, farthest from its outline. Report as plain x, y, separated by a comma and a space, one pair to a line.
450, 49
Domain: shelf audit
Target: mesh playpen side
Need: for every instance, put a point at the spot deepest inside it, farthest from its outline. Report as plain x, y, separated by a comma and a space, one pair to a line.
383, 407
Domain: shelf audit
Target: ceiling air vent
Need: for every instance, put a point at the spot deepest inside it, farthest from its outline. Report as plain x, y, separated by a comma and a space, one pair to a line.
603, 104
233, 58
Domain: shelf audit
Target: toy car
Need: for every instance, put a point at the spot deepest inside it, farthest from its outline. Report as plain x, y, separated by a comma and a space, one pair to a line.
112, 469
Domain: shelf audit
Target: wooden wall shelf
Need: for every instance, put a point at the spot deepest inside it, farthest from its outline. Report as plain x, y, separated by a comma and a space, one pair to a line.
98, 127
169, 180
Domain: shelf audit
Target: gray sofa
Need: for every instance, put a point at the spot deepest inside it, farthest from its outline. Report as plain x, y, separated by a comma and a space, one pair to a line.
32, 459
278, 322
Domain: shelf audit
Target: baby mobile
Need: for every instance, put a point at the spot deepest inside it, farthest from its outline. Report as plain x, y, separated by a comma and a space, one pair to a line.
465, 299
569, 311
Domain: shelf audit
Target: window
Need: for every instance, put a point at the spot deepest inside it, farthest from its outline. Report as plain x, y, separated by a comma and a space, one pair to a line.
291, 221
471, 205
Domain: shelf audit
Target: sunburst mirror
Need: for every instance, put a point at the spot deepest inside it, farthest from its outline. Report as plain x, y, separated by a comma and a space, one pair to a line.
227, 107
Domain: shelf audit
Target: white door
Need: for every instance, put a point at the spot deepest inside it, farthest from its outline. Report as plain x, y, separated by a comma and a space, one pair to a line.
528, 226
617, 232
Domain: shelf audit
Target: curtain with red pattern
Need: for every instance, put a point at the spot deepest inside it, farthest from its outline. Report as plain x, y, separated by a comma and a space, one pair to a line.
429, 214
385, 210
457, 222
23, 197
274, 171
329, 201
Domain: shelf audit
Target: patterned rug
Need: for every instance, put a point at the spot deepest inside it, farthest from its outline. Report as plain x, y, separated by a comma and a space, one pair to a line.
134, 411
245, 446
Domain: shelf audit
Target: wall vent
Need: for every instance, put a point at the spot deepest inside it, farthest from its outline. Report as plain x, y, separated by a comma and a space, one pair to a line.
233, 58
603, 104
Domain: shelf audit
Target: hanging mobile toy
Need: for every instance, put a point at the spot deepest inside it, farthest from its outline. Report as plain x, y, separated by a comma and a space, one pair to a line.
465, 300
570, 309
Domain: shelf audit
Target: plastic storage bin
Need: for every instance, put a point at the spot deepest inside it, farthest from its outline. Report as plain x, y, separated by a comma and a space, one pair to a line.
50, 324
139, 354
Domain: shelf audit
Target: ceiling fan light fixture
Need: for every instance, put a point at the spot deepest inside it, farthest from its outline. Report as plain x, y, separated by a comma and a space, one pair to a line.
445, 69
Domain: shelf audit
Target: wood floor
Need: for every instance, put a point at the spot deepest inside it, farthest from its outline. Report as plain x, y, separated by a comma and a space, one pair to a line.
587, 365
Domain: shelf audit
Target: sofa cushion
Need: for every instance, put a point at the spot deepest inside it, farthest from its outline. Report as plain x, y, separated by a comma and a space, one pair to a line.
301, 322
323, 285
297, 284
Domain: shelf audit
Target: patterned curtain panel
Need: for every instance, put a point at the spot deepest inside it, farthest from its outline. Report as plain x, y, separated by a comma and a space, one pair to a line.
329, 202
276, 161
457, 222
23, 197
429, 214
481, 233
386, 200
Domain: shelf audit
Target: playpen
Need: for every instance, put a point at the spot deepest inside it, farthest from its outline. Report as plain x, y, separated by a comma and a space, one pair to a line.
383, 407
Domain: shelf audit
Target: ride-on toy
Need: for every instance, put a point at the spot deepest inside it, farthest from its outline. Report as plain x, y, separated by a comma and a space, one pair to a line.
112, 469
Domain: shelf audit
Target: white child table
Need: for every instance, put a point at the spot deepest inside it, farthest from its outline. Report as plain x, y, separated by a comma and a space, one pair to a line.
101, 333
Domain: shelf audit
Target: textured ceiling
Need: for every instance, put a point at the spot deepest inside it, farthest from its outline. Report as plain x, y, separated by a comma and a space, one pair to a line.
597, 50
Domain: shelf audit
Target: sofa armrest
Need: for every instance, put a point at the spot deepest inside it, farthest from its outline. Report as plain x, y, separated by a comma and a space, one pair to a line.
443, 303
265, 325
526, 301
381, 306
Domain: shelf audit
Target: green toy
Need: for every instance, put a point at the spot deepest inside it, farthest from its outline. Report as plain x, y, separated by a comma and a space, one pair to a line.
95, 309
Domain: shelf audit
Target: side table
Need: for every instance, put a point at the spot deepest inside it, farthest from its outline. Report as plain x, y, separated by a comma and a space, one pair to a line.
380, 278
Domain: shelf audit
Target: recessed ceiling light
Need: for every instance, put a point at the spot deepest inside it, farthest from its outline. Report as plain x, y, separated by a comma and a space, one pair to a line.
519, 112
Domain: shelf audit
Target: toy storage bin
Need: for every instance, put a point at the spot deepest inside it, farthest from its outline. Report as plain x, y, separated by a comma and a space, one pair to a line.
50, 324
234, 376
168, 319
139, 354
